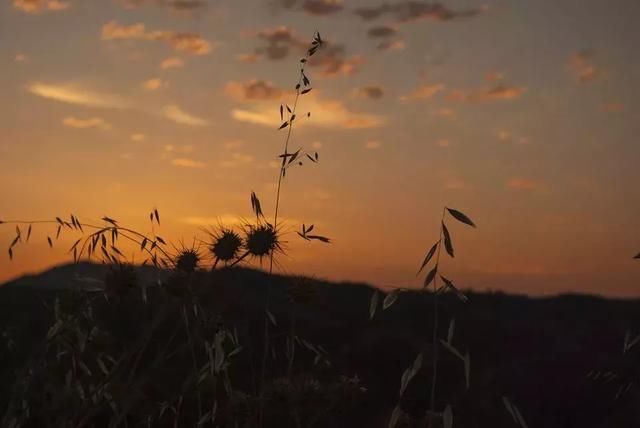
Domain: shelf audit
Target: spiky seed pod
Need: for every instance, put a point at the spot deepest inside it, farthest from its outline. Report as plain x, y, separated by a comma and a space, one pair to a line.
187, 260
262, 240
226, 245
120, 278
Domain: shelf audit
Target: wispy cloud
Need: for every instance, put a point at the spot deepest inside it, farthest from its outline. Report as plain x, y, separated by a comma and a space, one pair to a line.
253, 90
176, 114
519, 183
93, 122
21, 58
372, 145
423, 92
188, 163
172, 62
191, 43
37, 6
374, 92
153, 84
237, 159
324, 113
138, 137
492, 93
413, 10
72, 94
313, 7
582, 66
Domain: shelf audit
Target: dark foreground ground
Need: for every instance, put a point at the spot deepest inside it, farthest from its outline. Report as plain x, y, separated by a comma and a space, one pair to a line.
164, 357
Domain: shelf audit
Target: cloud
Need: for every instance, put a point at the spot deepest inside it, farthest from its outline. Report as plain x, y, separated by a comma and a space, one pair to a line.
445, 112
94, 122
322, 7
413, 10
391, 45
73, 95
381, 31
518, 183
233, 144
191, 43
373, 92
21, 58
372, 145
253, 90
153, 84
423, 92
173, 62
188, 163
313, 7
237, 159
333, 61
508, 137
491, 93
455, 184
176, 114
280, 42
324, 113
582, 67
37, 6
138, 137
613, 107
175, 5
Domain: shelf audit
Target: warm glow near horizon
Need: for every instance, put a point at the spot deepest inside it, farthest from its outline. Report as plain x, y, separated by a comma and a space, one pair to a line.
523, 115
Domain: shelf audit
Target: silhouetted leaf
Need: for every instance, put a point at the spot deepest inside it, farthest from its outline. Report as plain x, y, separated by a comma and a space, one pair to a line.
155, 211
373, 303
271, 317
255, 204
452, 326
10, 254
637, 257
284, 125
461, 217
281, 113
160, 240
50, 242
29, 233
320, 238
430, 276
447, 417
390, 299
430, 254
447, 240
449, 284
306, 91
410, 373
110, 220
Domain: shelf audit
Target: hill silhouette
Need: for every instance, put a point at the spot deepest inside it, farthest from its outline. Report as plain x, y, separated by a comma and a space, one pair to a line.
542, 353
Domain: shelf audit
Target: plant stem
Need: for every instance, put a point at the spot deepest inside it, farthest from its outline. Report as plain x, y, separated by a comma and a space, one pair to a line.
275, 223
432, 404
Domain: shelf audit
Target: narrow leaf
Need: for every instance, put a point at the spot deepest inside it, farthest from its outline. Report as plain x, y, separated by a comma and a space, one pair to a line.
461, 217
430, 254
390, 299
447, 240
430, 276
373, 303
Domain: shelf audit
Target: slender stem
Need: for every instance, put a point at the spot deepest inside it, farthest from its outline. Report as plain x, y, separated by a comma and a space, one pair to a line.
271, 256
432, 404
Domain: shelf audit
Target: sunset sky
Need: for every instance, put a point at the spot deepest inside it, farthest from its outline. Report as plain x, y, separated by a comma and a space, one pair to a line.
524, 114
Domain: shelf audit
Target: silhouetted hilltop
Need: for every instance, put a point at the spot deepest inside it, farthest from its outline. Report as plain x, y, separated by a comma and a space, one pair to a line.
536, 351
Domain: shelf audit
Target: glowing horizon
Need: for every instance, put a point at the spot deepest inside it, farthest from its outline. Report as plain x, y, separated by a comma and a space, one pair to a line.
520, 115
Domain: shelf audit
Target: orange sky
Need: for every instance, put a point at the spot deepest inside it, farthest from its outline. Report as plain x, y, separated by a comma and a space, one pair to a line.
523, 115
